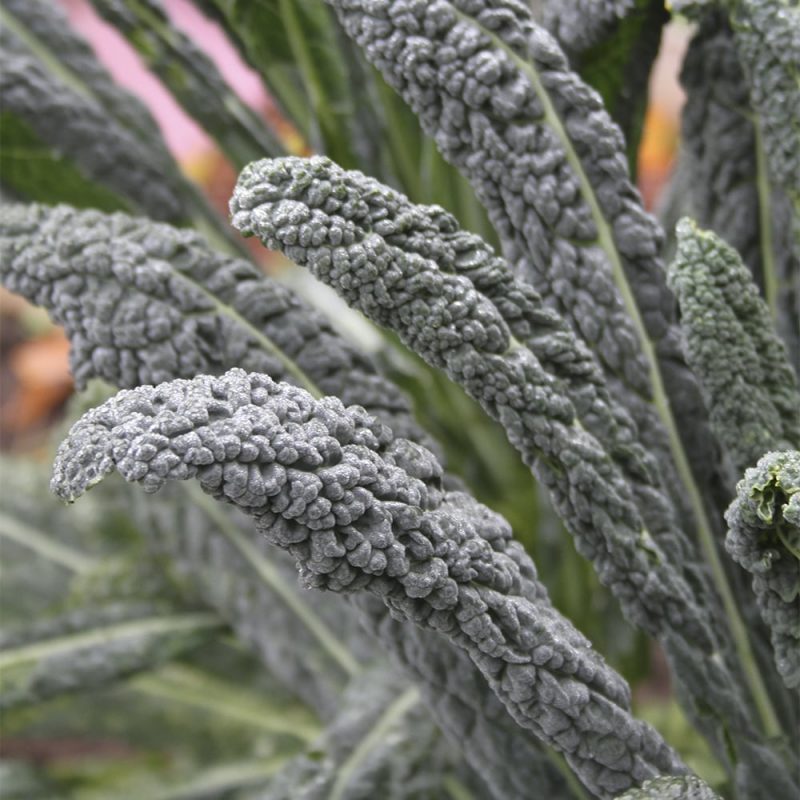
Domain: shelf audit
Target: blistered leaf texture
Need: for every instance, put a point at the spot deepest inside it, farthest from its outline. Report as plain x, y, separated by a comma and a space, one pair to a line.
742, 364
444, 318
144, 303
764, 538
362, 510
214, 554
581, 24
508, 758
768, 40
457, 74
433, 235
122, 271
453, 326
612, 44
727, 188
495, 92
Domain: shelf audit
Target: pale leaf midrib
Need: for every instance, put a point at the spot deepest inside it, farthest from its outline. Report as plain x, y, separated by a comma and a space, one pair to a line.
107, 634
394, 712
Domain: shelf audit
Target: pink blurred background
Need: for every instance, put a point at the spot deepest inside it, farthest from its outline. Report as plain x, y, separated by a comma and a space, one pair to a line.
184, 137
34, 374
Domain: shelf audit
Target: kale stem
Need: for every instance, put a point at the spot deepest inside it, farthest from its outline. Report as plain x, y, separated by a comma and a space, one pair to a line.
27, 536
765, 224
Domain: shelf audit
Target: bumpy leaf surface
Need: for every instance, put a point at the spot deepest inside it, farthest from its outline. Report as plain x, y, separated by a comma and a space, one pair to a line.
508, 758
612, 44
728, 187
361, 510
453, 326
256, 593
211, 309
434, 235
751, 389
495, 92
764, 537
448, 322
768, 40
145, 303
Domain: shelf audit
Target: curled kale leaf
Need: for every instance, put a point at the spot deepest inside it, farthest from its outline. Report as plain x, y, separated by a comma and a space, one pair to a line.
256, 593
729, 188
144, 303
361, 510
764, 538
102, 277
434, 235
294, 205
495, 92
751, 389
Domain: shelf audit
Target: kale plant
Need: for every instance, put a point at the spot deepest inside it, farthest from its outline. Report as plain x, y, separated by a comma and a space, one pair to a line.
537, 359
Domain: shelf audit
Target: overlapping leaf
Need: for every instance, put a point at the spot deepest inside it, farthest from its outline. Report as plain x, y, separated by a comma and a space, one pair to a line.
751, 390
361, 510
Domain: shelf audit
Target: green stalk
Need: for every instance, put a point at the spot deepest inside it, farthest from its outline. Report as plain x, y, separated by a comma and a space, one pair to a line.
330, 116
396, 711
181, 684
456, 789
405, 165
174, 623
28, 536
765, 222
